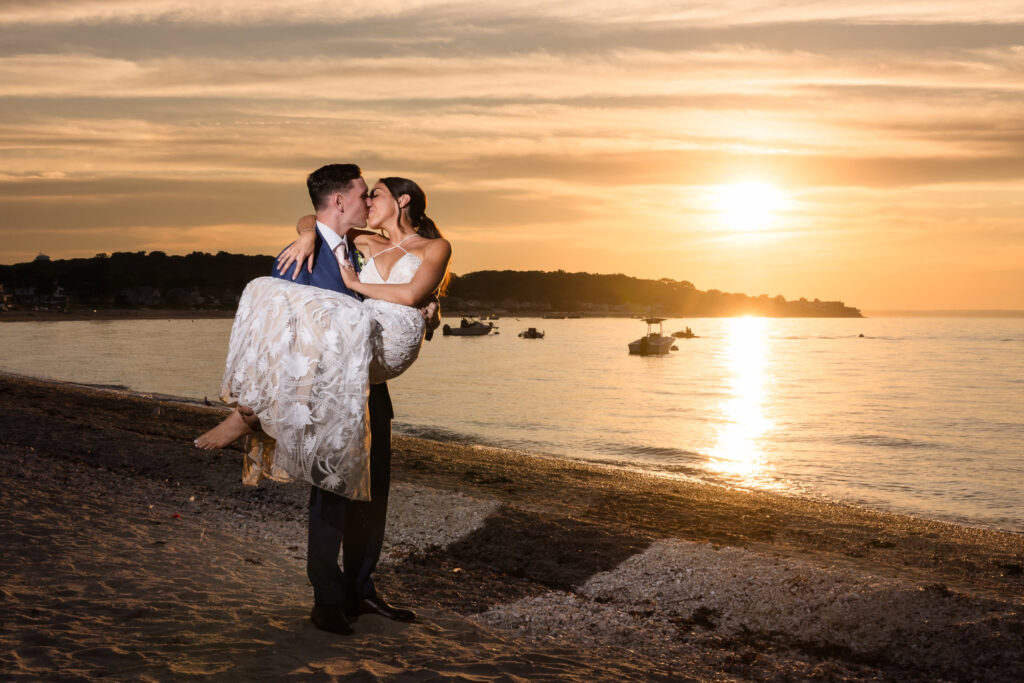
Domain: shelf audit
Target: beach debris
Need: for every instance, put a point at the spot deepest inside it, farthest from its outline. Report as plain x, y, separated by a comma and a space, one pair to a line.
939, 589
705, 617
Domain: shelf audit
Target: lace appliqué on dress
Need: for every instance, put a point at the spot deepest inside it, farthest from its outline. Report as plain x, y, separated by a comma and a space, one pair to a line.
303, 358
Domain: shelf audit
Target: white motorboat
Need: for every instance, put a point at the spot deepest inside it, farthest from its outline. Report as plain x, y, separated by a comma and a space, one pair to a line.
653, 343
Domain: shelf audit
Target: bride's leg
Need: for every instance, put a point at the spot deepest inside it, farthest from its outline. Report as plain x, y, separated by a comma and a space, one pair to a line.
240, 422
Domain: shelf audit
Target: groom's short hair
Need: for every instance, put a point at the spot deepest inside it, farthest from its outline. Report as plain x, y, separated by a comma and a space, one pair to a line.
326, 180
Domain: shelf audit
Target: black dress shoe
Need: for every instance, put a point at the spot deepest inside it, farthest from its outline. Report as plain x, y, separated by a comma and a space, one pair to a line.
330, 618
377, 605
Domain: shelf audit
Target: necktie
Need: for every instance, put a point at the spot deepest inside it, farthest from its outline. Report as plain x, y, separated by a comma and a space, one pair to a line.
341, 252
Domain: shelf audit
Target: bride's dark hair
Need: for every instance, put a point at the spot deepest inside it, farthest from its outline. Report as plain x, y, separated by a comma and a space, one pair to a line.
416, 207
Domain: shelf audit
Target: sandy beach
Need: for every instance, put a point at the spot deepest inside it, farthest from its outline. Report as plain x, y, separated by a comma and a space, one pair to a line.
130, 555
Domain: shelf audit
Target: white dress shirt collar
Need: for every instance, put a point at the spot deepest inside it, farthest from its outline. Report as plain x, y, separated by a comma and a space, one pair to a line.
333, 239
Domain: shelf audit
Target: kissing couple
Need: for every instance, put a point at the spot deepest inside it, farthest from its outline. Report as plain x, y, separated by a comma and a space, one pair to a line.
310, 351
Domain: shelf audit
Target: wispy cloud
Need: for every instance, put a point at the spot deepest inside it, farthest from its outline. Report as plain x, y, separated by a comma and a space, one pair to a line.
706, 12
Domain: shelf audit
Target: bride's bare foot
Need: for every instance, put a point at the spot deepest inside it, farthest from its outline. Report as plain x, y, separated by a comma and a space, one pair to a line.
234, 426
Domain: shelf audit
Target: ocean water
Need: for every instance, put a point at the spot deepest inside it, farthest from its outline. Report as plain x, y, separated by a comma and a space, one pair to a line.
915, 415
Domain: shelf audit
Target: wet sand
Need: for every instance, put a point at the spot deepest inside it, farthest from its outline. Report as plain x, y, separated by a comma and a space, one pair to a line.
129, 554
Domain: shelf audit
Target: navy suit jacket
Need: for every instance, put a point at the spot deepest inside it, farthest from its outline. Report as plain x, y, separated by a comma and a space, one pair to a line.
326, 275
325, 269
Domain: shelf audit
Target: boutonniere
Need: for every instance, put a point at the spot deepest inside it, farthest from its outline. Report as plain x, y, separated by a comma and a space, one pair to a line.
359, 259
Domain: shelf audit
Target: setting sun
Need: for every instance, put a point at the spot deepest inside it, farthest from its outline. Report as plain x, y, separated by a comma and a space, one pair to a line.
748, 206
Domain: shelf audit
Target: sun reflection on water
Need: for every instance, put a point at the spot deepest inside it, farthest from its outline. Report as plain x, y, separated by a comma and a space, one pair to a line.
737, 450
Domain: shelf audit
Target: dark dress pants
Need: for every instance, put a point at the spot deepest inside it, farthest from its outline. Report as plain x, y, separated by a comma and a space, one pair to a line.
355, 528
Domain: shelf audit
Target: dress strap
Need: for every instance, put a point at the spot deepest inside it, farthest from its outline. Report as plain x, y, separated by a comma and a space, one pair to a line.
394, 245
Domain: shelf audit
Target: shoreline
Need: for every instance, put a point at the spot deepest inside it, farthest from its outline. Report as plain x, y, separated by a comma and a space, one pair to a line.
15, 316
557, 569
464, 441
527, 457
684, 479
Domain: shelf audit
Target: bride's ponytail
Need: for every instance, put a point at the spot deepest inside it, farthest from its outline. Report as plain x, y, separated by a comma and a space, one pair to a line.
427, 228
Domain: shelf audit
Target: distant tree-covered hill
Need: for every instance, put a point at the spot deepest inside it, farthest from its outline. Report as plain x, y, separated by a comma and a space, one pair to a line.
587, 292
138, 279
200, 280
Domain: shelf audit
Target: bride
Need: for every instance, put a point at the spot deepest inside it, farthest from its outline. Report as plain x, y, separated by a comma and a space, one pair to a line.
301, 358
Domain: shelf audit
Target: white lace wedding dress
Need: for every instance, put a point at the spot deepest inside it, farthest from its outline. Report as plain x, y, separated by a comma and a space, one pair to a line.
303, 358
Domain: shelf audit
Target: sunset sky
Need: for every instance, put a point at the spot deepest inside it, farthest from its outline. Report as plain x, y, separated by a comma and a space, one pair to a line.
871, 152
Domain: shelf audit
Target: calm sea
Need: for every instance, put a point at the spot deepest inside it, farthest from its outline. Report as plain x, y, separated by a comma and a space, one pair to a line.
916, 415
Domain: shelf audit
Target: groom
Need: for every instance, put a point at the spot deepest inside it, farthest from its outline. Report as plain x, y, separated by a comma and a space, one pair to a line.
355, 528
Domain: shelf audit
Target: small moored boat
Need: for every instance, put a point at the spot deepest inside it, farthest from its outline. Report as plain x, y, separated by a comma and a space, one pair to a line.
532, 333
468, 328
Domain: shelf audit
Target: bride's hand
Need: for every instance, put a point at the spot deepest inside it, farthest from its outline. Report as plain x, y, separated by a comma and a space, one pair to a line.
298, 252
348, 274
